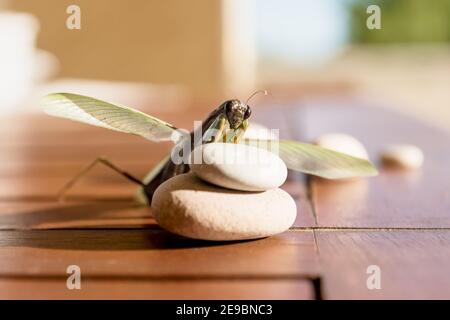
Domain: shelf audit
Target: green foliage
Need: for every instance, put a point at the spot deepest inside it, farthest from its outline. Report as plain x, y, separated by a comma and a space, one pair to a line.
311, 159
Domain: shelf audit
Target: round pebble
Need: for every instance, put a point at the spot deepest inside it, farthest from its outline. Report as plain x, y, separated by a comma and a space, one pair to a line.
403, 155
258, 131
187, 206
238, 166
343, 143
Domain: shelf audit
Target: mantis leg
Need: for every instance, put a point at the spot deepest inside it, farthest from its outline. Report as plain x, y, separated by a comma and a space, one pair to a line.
88, 168
165, 172
241, 132
220, 130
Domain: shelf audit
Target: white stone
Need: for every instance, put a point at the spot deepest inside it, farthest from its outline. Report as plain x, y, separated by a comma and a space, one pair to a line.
343, 143
187, 206
258, 131
238, 166
403, 155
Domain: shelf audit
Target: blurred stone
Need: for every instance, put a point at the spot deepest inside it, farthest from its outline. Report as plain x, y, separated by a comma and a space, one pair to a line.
402, 155
343, 143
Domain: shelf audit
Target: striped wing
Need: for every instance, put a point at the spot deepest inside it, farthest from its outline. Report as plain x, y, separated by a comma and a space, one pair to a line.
106, 115
315, 160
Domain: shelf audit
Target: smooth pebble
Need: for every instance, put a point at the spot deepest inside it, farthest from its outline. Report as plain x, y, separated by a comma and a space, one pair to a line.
239, 167
402, 155
187, 206
258, 131
343, 143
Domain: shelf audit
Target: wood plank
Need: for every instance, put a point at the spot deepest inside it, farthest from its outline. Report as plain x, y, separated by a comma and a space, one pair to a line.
370, 123
144, 289
38, 188
391, 200
119, 247
413, 264
395, 199
71, 215
25, 169
155, 253
295, 185
147, 153
99, 200
111, 212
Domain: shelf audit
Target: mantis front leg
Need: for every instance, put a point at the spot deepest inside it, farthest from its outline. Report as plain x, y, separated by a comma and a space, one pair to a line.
241, 130
221, 128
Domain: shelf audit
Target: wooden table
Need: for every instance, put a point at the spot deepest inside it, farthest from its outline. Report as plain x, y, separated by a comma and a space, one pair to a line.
399, 221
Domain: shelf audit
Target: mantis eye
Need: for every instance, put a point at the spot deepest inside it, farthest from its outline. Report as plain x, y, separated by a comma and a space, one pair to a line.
247, 113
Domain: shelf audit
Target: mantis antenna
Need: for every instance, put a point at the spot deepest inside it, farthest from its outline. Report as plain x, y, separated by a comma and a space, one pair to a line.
254, 94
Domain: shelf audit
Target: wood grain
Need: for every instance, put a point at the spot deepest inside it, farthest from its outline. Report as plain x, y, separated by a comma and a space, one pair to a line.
413, 264
123, 253
153, 252
157, 289
26, 215
394, 199
120, 249
296, 187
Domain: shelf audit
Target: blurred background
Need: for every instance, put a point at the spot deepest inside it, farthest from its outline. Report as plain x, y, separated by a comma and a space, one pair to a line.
201, 50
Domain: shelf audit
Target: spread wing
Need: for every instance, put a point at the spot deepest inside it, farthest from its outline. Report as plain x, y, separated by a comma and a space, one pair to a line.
315, 160
106, 115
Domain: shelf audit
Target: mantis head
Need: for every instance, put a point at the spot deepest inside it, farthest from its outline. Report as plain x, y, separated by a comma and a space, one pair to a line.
236, 113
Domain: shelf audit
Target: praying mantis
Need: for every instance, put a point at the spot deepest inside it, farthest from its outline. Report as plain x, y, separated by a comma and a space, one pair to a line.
229, 122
